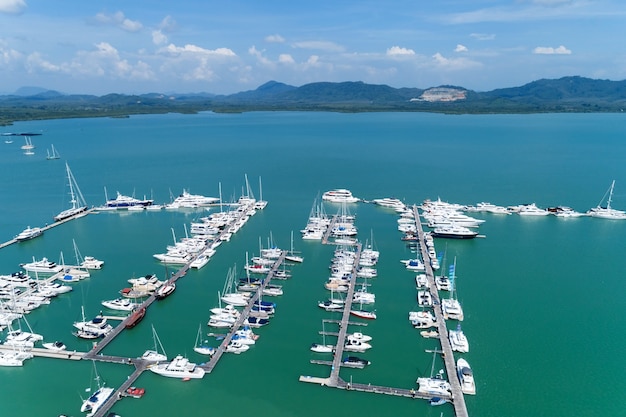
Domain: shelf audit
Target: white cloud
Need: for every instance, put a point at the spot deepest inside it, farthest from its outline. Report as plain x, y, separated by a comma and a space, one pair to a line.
167, 24
453, 64
398, 51
158, 37
259, 56
118, 19
8, 55
105, 61
12, 6
286, 59
276, 38
321, 45
483, 36
195, 50
548, 50
460, 48
35, 62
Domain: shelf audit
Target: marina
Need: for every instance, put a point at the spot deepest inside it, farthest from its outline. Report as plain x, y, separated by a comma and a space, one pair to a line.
520, 251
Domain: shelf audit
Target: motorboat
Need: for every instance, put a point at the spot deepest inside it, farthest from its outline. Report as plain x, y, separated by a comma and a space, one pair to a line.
392, 203
466, 377
532, 210
454, 232
54, 346
458, 341
429, 333
43, 266
188, 200
29, 233
125, 202
256, 322
355, 345
359, 336
354, 362
179, 367
421, 281
413, 264
422, 319
330, 305
339, 195
150, 280
14, 357
135, 392
98, 325
122, 304
236, 347
565, 212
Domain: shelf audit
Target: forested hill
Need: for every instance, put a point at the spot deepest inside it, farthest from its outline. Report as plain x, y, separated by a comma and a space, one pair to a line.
568, 94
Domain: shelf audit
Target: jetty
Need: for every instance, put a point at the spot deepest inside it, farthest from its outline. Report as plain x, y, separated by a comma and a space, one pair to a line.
210, 365
458, 400
50, 226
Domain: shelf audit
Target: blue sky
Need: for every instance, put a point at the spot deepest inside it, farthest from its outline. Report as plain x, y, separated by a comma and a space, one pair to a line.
223, 47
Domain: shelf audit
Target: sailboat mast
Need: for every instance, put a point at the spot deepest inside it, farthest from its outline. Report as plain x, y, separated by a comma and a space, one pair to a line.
608, 202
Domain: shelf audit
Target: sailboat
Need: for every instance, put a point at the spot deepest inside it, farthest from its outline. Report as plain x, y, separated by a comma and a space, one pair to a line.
291, 256
434, 385
607, 212
79, 206
158, 353
98, 398
28, 147
323, 348
260, 204
53, 153
450, 306
201, 347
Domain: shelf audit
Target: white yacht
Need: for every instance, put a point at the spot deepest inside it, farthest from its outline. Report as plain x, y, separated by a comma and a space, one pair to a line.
79, 206
433, 386
356, 345
388, 202
236, 347
44, 266
92, 404
466, 377
491, 208
91, 263
187, 200
458, 341
179, 367
454, 232
14, 357
29, 233
339, 195
57, 346
96, 326
422, 319
532, 210
122, 304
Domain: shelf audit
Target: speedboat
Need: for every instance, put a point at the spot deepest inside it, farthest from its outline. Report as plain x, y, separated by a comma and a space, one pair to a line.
359, 336
135, 392
29, 233
466, 377
236, 347
122, 304
180, 367
354, 345
369, 315
55, 346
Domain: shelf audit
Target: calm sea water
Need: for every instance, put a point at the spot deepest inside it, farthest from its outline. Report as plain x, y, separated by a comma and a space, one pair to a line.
542, 296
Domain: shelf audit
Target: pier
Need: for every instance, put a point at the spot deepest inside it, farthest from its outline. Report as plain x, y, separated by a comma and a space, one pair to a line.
209, 366
329, 229
458, 400
50, 226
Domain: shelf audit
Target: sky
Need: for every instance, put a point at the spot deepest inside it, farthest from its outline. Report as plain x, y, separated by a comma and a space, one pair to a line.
223, 47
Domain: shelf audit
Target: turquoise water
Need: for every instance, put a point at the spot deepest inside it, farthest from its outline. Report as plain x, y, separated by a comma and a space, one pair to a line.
542, 296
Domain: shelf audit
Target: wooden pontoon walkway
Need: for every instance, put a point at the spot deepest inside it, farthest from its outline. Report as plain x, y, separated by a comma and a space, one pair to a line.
209, 366
448, 357
51, 225
329, 229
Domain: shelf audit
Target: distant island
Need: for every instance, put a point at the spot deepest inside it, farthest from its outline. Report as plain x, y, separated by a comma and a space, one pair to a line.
568, 94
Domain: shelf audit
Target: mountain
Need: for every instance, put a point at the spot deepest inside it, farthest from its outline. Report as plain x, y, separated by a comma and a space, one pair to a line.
567, 94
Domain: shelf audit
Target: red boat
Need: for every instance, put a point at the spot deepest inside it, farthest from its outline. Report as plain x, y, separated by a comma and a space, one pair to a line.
136, 317
135, 392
